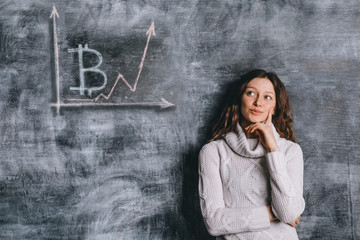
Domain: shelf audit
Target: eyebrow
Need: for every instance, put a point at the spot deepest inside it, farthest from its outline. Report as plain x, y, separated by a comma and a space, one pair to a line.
256, 89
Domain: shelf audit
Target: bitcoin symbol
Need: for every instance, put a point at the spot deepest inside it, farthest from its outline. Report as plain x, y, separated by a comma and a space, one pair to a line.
82, 88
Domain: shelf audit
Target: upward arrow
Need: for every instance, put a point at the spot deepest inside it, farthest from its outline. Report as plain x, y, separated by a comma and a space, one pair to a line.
150, 32
54, 15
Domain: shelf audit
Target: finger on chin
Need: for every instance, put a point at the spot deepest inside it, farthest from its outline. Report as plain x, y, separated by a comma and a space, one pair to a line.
250, 128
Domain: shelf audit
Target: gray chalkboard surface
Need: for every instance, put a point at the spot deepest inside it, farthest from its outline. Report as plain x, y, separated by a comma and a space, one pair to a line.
105, 105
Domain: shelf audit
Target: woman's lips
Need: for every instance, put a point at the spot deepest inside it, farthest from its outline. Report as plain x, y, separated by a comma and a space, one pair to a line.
255, 112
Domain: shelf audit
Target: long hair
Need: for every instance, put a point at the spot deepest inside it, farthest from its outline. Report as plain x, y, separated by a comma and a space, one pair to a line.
231, 114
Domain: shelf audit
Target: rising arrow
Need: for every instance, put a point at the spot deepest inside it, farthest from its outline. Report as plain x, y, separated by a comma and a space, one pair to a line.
150, 32
54, 15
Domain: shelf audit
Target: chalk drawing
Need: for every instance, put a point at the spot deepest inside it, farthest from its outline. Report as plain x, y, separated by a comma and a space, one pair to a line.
82, 88
54, 15
149, 33
162, 104
82, 70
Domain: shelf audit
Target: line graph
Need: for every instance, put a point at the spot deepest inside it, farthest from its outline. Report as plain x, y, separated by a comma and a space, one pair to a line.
79, 102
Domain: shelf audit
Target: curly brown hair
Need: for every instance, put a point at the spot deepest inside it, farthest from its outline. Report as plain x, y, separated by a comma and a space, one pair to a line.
231, 115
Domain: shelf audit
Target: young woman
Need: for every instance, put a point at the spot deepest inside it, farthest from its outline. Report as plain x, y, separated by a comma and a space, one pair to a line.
251, 171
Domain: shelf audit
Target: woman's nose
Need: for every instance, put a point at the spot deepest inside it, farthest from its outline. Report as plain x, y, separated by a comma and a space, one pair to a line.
257, 102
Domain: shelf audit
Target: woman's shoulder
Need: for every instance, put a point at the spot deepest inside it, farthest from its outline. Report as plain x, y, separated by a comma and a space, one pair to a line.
212, 153
212, 147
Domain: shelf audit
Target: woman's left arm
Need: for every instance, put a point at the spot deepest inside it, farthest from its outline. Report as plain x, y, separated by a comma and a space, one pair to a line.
286, 179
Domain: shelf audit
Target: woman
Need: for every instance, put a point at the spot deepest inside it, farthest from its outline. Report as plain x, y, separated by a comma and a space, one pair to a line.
251, 171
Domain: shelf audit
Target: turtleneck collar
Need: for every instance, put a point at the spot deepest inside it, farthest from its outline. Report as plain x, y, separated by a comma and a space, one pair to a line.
237, 141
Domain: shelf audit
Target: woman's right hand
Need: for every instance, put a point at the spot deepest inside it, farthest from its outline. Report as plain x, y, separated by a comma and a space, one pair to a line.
272, 217
294, 223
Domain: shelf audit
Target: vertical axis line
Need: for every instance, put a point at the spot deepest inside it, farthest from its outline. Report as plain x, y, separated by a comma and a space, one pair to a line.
54, 15
57, 70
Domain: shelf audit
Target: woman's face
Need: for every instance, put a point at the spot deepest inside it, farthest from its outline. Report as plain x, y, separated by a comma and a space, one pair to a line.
257, 100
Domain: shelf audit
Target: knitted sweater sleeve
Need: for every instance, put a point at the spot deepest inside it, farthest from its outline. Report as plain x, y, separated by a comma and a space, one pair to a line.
286, 180
219, 219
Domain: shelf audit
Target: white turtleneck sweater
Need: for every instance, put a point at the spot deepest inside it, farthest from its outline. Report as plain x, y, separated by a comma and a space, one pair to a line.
238, 177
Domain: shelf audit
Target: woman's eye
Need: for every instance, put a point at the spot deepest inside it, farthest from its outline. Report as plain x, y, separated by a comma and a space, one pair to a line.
250, 93
268, 97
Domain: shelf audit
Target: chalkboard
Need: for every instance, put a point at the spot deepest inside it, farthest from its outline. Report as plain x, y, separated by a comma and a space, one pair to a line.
106, 104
